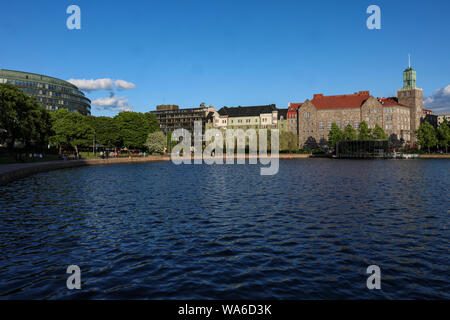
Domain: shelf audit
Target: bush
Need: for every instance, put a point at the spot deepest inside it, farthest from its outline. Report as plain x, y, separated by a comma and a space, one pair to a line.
156, 142
318, 151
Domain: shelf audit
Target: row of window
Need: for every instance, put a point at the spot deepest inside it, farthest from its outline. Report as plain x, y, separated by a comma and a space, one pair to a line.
60, 102
55, 108
388, 126
338, 123
53, 94
42, 85
375, 111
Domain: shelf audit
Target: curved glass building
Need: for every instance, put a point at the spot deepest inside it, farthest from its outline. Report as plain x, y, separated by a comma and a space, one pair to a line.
52, 93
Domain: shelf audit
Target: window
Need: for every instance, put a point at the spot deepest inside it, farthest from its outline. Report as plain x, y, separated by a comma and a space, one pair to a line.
321, 127
339, 124
329, 125
307, 115
346, 123
356, 125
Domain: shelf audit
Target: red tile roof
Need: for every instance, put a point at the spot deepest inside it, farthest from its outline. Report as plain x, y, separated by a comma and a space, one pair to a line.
293, 107
390, 102
355, 100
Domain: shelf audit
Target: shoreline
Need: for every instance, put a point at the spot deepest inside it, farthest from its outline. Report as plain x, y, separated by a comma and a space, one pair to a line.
16, 171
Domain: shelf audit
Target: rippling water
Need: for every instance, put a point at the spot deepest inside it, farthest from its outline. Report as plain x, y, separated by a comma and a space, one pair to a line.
161, 231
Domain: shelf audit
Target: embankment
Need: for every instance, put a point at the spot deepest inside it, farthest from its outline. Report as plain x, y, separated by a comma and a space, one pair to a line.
11, 172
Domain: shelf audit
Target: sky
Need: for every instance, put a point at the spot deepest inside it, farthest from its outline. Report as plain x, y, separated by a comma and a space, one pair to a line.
134, 55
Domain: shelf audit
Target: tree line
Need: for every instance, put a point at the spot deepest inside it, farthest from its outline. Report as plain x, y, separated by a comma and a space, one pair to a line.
23, 119
349, 133
429, 137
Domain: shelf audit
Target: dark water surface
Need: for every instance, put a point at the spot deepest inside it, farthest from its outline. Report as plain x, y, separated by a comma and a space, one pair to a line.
157, 230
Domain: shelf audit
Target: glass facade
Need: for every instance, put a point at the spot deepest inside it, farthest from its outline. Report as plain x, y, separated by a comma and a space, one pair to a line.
51, 93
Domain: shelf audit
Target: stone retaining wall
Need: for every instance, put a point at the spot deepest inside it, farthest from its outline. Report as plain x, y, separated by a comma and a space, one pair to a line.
11, 172
434, 156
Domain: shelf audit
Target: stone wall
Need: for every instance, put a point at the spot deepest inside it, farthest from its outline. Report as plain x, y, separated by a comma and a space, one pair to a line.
11, 172
412, 98
314, 125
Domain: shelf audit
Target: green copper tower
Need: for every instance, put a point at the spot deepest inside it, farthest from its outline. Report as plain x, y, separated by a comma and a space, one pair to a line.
409, 77
412, 96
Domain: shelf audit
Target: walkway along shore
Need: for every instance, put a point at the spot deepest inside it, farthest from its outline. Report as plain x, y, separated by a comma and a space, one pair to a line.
11, 172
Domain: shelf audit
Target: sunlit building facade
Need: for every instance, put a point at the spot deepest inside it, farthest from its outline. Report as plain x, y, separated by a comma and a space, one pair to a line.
51, 93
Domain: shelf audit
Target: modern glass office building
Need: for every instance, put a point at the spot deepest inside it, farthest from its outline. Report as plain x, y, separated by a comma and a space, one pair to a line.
50, 92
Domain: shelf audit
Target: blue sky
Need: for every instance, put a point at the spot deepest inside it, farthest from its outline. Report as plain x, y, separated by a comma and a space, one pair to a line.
231, 52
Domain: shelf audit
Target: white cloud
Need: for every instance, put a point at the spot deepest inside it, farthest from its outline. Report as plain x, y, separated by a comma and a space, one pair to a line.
124, 85
439, 101
102, 84
112, 103
92, 84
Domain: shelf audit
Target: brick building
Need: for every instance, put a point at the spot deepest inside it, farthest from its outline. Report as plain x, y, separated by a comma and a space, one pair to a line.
292, 117
399, 117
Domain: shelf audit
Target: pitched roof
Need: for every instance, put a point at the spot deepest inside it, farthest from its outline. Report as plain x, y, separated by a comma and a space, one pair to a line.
293, 107
247, 111
210, 116
392, 101
345, 101
282, 113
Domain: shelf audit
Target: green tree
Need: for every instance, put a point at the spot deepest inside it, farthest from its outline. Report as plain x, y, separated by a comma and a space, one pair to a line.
364, 132
427, 136
334, 136
152, 122
156, 142
378, 133
106, 131
170, 143
349, 133
71, 129
293, 142
444, 135
134, 128
21, 117
288, 141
